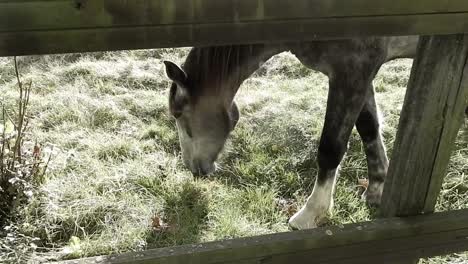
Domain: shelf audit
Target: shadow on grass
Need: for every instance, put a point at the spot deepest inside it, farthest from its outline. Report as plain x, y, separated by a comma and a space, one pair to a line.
263, 152
185, 216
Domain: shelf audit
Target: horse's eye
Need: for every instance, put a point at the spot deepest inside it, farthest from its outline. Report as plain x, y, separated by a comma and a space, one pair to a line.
187, 129
177, 114
185, 126
189, 132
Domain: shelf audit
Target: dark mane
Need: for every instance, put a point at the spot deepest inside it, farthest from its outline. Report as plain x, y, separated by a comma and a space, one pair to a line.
210, 67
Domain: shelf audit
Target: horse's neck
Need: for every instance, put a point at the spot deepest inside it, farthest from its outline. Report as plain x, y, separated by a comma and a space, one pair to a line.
401, 47
222, 69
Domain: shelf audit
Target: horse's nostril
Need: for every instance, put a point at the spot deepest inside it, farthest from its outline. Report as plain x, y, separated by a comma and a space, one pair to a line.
293, 228
199, 173
202, 169
197, 170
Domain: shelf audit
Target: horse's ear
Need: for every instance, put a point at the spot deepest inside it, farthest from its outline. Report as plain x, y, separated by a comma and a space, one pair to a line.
175, 73
178, 95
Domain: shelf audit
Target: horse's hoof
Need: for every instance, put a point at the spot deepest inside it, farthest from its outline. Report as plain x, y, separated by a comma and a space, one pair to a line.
373, 194
301, 222
308, 217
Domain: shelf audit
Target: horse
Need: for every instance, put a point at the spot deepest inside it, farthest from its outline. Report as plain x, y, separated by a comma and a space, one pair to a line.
201, 99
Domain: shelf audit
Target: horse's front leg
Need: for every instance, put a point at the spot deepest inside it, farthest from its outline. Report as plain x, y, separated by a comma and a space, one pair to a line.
346, 98
367, 125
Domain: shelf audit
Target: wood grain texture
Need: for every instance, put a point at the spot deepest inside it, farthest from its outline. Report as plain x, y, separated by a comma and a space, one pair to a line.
70, 14
381, 241
61, 26
432, 113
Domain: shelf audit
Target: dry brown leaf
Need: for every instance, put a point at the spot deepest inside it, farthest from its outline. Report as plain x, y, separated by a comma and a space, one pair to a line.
37, 151
363, 183
287, 206
158, 224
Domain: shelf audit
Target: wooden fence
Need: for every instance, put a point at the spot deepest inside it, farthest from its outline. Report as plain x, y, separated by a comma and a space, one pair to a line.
59, 26
381, 241
432, 113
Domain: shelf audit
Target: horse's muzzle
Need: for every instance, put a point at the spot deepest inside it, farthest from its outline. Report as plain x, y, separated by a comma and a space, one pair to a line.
200, 168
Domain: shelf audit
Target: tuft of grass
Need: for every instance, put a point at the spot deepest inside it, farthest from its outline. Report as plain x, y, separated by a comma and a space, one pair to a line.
261, 204
119, 149
162, 136
185, 212
105, 116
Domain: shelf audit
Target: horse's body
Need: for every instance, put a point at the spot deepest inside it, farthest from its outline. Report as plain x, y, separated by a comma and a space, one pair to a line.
202, 97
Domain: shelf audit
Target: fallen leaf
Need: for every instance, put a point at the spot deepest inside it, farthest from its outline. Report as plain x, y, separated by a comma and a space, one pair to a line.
158, 224
37, 151
287, 206
363, 183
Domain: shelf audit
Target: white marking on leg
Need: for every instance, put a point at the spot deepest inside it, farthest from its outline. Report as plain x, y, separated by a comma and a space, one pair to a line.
373, 194
319, 203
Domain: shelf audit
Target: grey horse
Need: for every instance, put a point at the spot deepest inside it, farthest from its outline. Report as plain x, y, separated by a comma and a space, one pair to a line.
202, 101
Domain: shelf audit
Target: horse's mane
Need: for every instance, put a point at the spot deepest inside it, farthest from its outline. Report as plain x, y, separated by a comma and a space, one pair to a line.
209, 67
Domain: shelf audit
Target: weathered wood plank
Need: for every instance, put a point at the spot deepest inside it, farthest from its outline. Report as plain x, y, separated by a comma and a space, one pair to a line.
454, 111
431, 117
69, 14
145, 37
60, 26
380, 241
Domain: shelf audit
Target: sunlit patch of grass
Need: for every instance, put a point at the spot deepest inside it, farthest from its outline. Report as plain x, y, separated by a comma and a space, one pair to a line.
146, 106
94, 213
261, 204
106, 116
118, 149
82, 110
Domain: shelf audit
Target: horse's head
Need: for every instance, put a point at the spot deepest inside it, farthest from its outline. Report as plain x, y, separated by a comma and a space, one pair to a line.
204, 120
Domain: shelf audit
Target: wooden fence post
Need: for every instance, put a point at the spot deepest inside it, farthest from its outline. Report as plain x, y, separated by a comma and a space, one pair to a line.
430, 119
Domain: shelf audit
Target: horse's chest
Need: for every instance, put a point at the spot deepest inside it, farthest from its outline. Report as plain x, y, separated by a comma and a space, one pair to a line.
312, 57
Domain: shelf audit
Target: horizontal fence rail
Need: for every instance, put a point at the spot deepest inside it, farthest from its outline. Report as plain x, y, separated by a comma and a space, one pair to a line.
380, 241
59, 26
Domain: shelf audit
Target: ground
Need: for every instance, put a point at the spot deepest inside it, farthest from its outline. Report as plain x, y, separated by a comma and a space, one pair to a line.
116, 182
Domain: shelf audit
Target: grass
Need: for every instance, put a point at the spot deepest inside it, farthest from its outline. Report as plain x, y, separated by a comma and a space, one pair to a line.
116, 181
